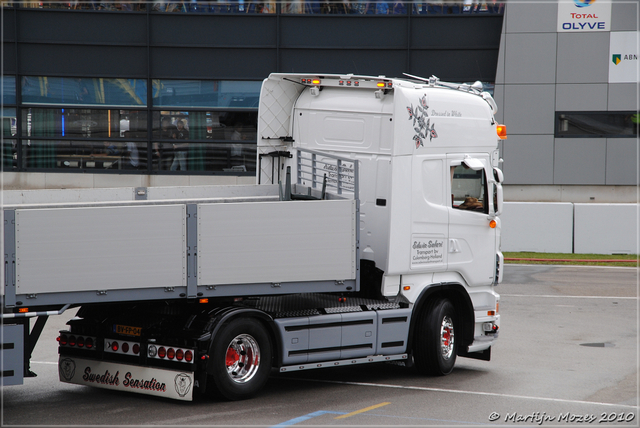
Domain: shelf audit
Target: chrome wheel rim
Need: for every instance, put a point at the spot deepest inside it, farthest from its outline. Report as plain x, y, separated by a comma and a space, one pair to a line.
242, 358
447, 338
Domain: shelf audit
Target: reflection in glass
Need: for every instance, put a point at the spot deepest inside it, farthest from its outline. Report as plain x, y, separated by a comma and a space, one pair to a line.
208, 156
84, 91
206, 93
9, 126
83, 123
232, 135
119, 6
590, 124
85, 155
8, 89
9, 154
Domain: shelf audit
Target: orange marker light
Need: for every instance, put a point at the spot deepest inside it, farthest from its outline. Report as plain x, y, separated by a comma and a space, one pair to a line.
205, 300
23, 310
381, 84
502, 131
491, 313
493, 224
406, 288
316, 81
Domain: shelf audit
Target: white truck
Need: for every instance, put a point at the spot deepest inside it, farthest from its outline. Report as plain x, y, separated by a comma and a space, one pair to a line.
372, 235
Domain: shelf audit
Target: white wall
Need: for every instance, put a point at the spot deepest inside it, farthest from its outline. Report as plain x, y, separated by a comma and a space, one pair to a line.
606, 228
570, 228
539, 227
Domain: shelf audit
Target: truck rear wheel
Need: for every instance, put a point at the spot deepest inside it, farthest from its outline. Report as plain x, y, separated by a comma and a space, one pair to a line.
435, 345
241, 361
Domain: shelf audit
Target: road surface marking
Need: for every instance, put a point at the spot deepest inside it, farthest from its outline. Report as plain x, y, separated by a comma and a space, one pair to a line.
357, 412
456, 391
560, 296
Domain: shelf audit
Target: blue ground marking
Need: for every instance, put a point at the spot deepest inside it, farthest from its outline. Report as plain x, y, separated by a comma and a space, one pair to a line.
306, 418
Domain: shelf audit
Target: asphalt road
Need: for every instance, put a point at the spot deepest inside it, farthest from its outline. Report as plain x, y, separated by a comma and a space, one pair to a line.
567, 355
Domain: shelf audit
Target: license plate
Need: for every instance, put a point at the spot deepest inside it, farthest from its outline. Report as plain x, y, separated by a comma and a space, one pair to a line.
128, 330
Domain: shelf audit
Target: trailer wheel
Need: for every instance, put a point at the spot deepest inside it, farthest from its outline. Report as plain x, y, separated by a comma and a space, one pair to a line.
242, 359
435, 345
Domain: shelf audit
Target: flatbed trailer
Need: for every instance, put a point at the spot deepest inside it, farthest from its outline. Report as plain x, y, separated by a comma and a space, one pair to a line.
347, 251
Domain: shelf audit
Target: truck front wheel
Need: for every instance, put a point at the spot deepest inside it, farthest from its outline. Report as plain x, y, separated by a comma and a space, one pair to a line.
241, 359
435, 344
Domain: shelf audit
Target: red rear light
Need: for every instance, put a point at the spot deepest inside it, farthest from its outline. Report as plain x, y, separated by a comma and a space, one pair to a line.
80, 341
72, 341
63, 339
125, 347
171, 353
162, 352
114, 346
136, 348
180, 354
188, 356
88, 343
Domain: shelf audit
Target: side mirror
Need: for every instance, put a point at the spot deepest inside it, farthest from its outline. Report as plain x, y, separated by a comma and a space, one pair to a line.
498, 175
498, 199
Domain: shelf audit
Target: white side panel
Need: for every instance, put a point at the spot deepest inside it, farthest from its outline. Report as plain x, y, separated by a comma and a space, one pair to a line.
606, 229
537, 226
277, 97
375, 171
276, 242
400, 224
105, 248
429, 214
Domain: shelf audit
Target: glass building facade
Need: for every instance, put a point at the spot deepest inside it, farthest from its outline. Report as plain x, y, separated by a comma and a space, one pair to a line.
128, 88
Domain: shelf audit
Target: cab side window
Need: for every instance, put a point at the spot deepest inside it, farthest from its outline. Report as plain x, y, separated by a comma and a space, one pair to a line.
469, 189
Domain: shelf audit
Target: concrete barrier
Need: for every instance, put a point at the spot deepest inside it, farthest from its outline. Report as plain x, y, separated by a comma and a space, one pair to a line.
606, 228
537, 226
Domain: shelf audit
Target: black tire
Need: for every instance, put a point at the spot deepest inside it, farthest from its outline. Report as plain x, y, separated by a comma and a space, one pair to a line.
435, 345
241, 360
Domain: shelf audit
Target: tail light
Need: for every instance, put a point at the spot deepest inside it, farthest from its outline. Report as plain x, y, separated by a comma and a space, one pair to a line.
170, 353
73, 341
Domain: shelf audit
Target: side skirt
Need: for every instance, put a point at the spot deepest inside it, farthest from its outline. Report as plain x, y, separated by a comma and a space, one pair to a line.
341, 363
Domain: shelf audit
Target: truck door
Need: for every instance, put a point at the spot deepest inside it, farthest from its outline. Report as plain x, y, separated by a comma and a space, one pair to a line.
472, 241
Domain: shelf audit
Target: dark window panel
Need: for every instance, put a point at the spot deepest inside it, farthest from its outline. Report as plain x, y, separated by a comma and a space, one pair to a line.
597, 124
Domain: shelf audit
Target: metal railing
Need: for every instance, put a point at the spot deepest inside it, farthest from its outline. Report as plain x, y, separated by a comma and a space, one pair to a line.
327, 171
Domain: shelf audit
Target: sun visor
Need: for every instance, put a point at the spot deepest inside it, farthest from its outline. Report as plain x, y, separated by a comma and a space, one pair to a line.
474, 164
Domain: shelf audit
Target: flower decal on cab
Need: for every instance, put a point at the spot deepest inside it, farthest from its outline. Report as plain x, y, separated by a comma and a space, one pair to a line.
421, 122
